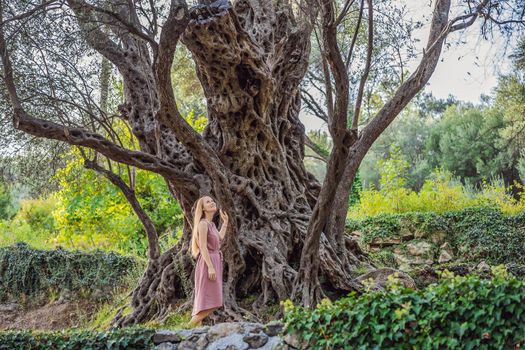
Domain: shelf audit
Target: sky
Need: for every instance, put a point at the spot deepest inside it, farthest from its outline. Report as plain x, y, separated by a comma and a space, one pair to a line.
468, 69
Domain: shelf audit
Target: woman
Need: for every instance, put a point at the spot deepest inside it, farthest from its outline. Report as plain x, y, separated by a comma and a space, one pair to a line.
205, 247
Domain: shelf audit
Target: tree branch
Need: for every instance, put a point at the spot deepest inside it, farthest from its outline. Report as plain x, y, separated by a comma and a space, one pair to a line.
96, 38
354, 38
440, 27
132, 28
364, 77
314, 106
33, 11
81, 137
129, 193
308, 142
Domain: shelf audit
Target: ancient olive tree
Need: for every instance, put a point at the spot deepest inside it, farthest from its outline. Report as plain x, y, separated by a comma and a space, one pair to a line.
287, 234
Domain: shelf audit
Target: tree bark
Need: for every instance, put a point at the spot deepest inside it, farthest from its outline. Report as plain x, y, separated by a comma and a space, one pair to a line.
286, 235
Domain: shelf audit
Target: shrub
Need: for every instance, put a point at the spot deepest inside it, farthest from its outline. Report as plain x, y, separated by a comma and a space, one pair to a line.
458, 312
38, 213
440, 193
33, 224
14, 231
27, 271
129, 338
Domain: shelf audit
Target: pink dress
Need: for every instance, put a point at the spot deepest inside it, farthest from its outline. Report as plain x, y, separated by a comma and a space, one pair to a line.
208, 294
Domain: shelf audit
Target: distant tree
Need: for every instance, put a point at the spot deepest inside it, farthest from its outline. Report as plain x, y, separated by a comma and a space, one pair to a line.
6, 202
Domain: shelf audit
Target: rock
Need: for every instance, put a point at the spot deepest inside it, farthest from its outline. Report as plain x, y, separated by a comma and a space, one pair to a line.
385, 241
187, 332
356, 234
166, 346
419, 260
164, 336
445, 254
194, 342
226, 336
407, 235
439, 237
406, 227
294, 340
255, 341
273, 328
9, 307
483, 267
274, 343
380, 277
223, 329
281, 346
231, 342
250, 327
419, 248
419, 234
401, 260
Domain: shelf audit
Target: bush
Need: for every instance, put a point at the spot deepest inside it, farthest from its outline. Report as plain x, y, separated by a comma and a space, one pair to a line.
474, 234
33, 224
440, 193
93, 213
38, 213
14, 231
130, 338
458, 312
26, 271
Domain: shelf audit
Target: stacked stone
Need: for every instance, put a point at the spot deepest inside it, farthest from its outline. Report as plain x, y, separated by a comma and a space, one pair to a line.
224, 336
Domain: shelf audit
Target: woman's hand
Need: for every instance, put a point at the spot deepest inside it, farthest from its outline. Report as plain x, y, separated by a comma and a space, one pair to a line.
224, 216
212, 275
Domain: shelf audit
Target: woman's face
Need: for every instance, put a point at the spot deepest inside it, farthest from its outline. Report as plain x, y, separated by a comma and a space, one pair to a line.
209, 205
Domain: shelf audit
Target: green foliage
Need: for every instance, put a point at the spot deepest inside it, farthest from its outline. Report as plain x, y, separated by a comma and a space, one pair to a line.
393, 171
6, 202
474, 233
464, 142
186, 86
467, 312
473, 142
409, 133
33, 224
93, 213
383, 258
440, 193
197, 123
323, 145
26, 272
355, 193
127, 338
38, 213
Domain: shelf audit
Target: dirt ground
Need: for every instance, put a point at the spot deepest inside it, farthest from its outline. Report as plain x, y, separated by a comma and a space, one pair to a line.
52, 316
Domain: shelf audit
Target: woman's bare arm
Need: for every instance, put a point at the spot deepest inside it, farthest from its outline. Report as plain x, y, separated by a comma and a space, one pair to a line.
224, 227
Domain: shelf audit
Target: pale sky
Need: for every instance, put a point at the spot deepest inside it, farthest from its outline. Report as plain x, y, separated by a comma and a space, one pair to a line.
468, 69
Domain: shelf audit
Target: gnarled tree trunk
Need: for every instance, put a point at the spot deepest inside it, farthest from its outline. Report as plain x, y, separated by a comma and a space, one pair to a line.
286, 235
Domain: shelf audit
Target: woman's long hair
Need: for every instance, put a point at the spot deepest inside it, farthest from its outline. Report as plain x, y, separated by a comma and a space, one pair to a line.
199, 212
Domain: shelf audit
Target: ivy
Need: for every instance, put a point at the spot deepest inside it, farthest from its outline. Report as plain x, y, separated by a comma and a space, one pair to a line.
474, 233
458, 312
129, 338
27, 271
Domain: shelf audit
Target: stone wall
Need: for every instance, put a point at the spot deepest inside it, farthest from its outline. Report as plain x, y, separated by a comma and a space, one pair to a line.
410, 249
225, 336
